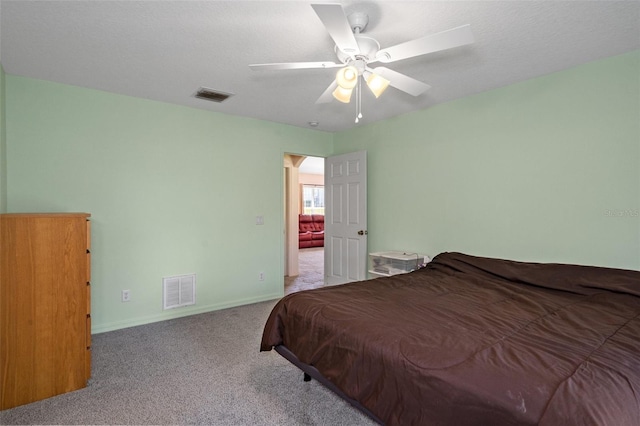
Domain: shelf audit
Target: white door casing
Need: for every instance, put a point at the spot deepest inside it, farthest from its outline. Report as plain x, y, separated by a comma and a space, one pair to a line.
345, 233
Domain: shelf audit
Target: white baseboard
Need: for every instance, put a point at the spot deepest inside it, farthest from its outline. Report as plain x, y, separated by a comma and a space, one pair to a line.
179, 313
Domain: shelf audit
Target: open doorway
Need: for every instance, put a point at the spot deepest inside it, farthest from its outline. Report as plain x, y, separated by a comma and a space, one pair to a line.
304, 220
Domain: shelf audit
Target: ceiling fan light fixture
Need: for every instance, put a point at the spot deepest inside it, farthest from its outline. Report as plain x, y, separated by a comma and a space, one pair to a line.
347, 77
377, 84
342, 94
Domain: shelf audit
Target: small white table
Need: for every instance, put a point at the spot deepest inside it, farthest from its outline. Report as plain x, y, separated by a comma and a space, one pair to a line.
388, 263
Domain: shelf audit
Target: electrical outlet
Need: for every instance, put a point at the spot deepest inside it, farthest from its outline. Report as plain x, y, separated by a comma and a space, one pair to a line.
126, 295
261, 276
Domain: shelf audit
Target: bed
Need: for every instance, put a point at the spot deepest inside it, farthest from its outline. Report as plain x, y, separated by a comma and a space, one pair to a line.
471, 340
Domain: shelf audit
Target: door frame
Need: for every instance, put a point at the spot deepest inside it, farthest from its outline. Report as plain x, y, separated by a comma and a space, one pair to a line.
289, 242
290, 207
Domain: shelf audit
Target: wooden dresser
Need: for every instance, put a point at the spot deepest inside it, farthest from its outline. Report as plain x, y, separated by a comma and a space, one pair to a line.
45, 305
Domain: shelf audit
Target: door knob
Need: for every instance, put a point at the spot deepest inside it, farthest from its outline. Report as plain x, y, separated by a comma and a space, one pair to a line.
361, 232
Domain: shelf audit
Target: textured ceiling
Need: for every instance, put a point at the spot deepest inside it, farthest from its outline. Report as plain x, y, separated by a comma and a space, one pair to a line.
166, 50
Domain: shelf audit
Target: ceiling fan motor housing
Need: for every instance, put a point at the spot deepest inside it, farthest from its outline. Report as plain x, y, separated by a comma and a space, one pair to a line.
368, 49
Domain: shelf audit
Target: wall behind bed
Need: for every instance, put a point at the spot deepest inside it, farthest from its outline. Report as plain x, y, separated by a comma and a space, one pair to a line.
172, 190
3, 144
545, 170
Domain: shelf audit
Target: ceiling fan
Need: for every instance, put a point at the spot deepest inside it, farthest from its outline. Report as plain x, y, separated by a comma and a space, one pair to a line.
356, 51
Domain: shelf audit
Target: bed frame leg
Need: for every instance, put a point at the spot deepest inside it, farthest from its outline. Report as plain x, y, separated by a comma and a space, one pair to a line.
307, 378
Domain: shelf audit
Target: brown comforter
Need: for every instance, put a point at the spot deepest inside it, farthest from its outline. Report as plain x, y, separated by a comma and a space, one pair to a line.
476, 341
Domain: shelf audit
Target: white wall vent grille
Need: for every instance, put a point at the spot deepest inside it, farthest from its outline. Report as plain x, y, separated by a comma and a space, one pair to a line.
179, 291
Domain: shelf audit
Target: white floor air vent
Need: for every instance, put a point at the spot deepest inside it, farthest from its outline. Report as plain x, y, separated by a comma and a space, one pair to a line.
179, 291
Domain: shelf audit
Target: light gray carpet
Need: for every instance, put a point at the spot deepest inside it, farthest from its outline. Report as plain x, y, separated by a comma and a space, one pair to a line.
204, 369
311, 271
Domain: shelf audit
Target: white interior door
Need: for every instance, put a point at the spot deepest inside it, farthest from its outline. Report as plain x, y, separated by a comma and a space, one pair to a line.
345, 228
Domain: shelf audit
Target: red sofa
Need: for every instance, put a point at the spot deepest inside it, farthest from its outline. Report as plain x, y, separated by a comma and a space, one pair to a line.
310, 230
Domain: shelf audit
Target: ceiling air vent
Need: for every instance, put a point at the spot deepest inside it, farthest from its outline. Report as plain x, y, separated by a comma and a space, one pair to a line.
212, 95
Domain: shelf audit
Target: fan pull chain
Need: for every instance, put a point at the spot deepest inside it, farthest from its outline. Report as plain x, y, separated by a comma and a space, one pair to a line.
359, 100
356, 31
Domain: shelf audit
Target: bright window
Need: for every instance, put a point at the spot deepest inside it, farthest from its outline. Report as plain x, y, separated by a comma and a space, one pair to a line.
313, 199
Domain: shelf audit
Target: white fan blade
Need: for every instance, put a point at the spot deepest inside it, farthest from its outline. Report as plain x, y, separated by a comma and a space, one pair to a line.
432, 43
294, 65
336, 23
327, 96
402, 82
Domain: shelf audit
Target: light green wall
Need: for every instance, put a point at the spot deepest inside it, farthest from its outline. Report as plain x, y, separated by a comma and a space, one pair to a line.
171, 190
525, 172
3, 145
544, 170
